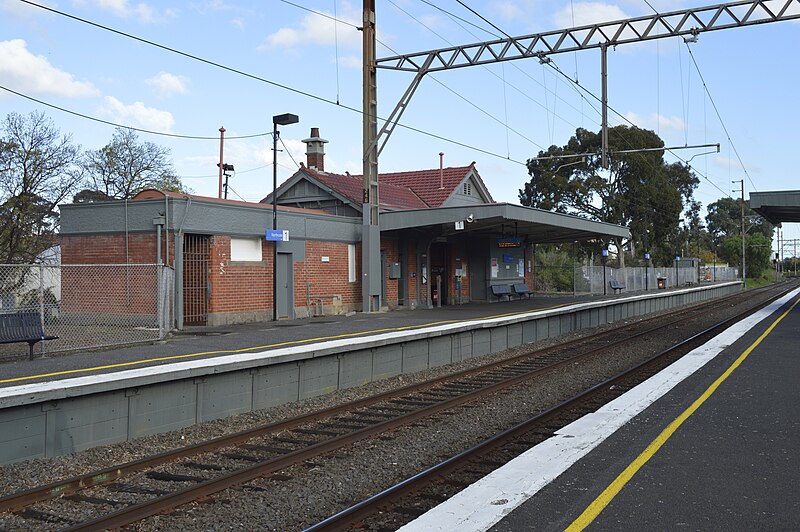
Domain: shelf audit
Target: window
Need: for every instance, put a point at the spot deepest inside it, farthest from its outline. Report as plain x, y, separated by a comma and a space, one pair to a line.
351, 263
468, 189
245, 249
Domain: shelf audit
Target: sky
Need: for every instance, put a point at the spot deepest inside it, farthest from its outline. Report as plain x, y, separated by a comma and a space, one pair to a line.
251, 60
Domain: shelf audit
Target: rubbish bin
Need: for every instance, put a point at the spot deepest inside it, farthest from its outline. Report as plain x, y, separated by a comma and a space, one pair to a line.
662, 282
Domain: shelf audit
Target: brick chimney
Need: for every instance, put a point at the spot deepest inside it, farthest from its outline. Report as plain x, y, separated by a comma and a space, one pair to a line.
315, 150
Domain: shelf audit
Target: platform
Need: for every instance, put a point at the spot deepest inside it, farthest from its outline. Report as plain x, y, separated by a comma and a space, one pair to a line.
710, 443
60, 405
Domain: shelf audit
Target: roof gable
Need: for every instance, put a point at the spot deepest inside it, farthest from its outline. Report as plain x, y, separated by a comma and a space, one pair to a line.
392, 197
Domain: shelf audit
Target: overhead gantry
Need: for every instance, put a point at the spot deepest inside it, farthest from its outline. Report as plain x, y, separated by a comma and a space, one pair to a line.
687, 23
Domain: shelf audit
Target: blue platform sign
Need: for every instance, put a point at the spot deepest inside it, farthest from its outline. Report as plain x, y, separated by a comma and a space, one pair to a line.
277, 235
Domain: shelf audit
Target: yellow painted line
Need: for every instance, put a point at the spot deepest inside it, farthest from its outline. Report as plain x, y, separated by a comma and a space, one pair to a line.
269, 346
603, 500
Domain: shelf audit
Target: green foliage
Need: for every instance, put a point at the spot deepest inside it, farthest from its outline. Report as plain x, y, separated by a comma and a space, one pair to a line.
555, 270
38, 171
127, 166
724, 219
758, 249
639, 190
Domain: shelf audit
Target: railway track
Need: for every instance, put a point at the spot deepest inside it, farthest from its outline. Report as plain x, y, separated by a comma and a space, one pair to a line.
398, 504
124, 494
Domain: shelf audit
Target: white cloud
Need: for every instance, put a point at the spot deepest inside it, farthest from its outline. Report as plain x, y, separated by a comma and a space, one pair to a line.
33, 74
137, 115
318, 30
657, 122
586, 13
142, 11
19, 10
507, 10
167, 84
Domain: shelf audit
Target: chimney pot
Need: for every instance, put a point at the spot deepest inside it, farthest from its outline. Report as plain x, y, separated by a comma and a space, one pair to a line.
315, 150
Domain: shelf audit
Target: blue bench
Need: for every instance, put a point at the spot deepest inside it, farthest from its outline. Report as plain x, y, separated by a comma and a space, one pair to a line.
521, 289
501, 290
22, 327
615, 285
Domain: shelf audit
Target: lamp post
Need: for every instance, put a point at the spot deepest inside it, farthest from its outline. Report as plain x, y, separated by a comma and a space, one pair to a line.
277, 120
604, 256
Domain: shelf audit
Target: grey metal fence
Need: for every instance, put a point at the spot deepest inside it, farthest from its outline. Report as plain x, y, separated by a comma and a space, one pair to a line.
590, 279
89, 305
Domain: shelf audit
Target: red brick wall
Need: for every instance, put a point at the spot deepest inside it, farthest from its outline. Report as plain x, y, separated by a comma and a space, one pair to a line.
411, 266
390, 248
110, 249
458, 250
238, 286
94, 290
328, 279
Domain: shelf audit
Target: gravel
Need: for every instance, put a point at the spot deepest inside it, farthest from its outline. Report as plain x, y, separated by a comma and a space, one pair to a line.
309, 493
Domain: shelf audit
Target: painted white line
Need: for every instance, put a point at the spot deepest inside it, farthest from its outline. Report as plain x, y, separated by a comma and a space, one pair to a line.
484, 503
74, 386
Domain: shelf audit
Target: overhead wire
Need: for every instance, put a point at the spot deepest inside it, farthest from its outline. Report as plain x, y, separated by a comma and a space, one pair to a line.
719, 116
562, 73
626, 119
257, 78
708, 93
458, 94
141, 130
456, 18
483, 18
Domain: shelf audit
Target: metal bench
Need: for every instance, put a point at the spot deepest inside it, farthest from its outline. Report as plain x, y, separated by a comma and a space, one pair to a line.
615, 285
22, 327
501, 290
521, 289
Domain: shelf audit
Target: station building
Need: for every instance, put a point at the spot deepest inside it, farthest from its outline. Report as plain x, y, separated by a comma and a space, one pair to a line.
444, 241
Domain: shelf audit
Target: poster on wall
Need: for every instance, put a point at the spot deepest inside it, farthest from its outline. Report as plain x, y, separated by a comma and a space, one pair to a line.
521, 268
494, 267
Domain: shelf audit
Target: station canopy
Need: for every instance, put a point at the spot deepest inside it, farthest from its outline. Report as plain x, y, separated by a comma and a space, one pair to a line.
777, 206
502, 218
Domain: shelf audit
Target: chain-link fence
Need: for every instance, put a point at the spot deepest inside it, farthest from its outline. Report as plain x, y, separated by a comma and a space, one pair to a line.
88, 305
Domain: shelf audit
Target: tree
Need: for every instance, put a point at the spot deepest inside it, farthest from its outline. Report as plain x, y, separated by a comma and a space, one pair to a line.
126, 166
724, 219
38, 171
639, 190
758, 249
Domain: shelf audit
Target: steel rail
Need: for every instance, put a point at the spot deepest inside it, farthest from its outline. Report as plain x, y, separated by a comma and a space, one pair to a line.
367, 507
205, 489
20, 500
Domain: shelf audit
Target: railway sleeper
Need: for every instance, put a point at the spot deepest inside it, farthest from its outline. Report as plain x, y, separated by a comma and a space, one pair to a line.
173, 477
77, 497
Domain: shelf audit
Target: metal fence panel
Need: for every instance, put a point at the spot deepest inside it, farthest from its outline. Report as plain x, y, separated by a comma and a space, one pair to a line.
590, 279
89, 305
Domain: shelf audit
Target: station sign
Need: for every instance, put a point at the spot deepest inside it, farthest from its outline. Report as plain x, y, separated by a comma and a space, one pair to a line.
277, 235
509, 243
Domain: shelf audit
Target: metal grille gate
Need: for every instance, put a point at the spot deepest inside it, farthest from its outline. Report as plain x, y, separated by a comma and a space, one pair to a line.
195, 279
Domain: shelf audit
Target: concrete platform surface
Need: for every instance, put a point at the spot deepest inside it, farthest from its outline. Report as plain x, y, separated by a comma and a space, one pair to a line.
204, 342
710, 443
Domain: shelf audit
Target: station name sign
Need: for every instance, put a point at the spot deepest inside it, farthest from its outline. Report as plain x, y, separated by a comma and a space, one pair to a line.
509, 242
277, 235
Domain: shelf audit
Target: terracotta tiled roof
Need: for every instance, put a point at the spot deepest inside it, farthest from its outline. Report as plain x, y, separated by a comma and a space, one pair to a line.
392, 197
427, 183
418, 189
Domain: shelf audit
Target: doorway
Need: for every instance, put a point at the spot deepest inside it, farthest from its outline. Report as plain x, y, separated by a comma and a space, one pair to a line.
439, 269
195, 279
285, 283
